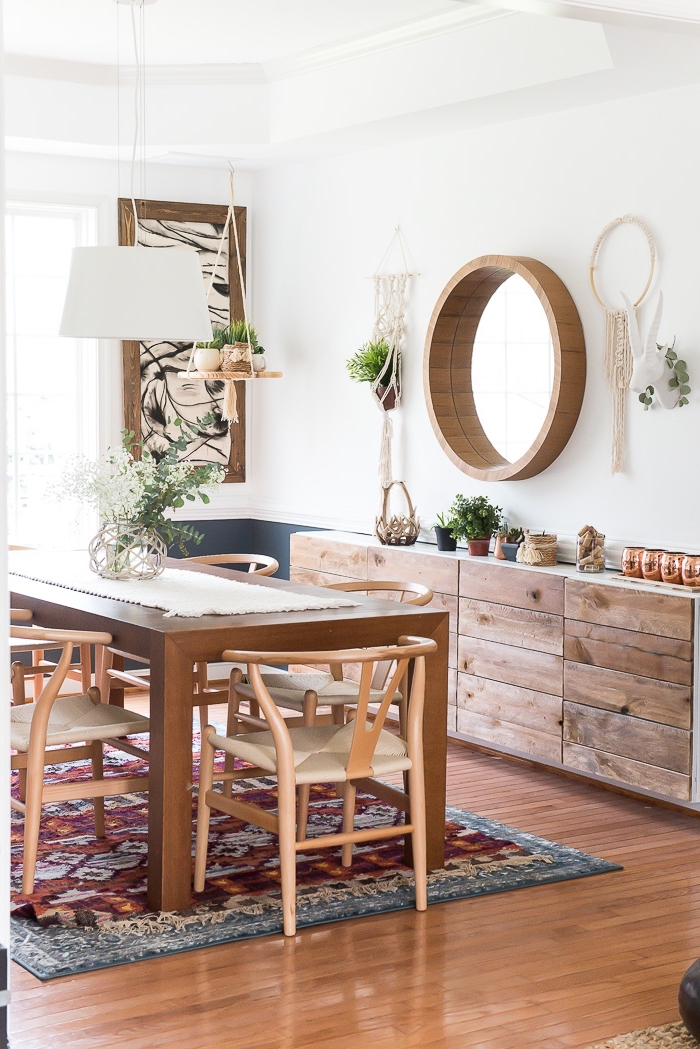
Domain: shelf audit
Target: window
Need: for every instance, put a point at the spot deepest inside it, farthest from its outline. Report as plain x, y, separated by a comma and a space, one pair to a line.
51, 382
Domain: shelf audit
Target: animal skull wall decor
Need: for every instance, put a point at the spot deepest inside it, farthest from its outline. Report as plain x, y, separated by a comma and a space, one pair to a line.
656, 370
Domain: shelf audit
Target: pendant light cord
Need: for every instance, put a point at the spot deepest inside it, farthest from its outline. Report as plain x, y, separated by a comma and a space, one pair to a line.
137, 95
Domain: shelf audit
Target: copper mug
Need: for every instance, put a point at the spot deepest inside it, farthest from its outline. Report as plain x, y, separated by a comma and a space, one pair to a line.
690, 570
650, 562
631, 561
671, 568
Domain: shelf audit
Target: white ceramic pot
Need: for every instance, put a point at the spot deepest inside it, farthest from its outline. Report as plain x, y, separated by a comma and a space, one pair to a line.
207, 359
258, 362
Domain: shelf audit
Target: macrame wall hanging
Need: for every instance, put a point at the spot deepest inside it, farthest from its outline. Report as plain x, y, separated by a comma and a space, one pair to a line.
400, 529
236, 358
618, 352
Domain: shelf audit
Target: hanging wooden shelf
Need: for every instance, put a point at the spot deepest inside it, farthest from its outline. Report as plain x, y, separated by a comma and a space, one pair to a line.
220, 376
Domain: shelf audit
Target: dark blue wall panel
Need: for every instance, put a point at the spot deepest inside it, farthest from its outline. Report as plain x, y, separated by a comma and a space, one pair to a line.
246, 536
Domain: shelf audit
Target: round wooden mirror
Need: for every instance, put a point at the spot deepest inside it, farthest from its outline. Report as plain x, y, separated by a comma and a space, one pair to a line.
504, 368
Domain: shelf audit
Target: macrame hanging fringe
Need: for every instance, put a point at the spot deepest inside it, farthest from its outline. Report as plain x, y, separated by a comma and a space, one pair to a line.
618, 372
618, 352
385, 467
229, 409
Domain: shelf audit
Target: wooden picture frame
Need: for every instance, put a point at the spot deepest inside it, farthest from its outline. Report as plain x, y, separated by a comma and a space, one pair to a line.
448, 359
147, 380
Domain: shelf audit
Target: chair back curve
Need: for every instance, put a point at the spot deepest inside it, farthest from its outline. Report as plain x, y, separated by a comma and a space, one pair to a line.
365, 734
410, 593
258, 564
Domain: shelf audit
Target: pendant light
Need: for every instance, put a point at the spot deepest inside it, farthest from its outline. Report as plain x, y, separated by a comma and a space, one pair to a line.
136, 293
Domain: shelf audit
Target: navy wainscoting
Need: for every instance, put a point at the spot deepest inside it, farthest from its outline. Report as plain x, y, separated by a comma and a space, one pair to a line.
246, 536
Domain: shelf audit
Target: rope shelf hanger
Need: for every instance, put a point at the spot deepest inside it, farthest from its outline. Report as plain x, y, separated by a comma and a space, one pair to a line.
618, 351
240, 356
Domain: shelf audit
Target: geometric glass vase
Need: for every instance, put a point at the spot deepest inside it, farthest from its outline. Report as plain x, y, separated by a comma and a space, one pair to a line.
127, 550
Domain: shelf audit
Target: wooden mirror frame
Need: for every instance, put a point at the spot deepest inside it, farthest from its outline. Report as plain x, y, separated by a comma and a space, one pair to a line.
447, 368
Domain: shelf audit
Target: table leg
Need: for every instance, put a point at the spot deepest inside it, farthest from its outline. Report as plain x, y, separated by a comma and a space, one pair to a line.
170, 779
435, 746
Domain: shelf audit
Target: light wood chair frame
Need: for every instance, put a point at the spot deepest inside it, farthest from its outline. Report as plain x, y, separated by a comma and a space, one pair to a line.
409, 651
411, 594
40, 667
33, 761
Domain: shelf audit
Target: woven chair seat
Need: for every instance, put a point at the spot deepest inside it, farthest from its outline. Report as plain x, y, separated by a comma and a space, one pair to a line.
75, 719
321, 752
287, 690
20, 644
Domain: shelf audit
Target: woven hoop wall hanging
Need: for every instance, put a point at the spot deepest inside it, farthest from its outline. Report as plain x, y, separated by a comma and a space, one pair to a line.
618, 352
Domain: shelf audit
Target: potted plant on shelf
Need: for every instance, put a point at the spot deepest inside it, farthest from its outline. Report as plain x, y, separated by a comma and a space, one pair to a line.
372, 363
242, 334
443, 532
475, 520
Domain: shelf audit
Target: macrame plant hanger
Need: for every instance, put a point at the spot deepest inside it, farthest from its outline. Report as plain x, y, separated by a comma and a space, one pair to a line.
389, 324
229, 411
618, 352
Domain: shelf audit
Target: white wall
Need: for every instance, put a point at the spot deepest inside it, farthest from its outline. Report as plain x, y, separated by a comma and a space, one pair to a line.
542, 187
96, 182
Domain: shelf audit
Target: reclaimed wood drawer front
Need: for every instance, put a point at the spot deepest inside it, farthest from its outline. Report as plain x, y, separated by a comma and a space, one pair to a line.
516, 666
312, 578
510, 703
649, 611
663, 658
506, 584
626, 771
663, 746
642, 697
322, 554
521, 627
439, 573
526, 741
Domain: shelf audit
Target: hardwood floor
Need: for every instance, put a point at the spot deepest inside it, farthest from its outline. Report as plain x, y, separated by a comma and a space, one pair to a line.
553, 966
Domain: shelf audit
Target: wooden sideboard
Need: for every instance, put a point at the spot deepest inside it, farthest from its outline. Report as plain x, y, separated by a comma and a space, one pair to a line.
594, 673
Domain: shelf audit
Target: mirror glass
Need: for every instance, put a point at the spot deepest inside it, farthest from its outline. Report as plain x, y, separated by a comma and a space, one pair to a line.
512, 368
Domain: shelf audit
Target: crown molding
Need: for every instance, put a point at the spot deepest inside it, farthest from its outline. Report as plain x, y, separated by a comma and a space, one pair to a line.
377, 43
108, 75
38, 68
104, 75
650, 14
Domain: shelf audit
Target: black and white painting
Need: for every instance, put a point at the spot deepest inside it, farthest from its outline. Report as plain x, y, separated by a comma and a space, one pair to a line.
163, 394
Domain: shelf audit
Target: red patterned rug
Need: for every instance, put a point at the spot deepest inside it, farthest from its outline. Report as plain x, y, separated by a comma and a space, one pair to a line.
89, 907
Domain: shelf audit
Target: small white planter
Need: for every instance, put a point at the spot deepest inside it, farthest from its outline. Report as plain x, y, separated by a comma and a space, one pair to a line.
258, 362
207, 359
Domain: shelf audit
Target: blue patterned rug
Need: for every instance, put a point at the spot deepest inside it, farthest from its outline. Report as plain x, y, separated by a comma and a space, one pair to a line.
97, 916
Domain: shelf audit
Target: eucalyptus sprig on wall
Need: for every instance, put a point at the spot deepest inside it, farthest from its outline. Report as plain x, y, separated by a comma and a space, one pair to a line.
679, 379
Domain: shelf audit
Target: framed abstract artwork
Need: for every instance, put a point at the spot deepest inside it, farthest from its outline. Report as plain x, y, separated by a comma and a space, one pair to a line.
154, 394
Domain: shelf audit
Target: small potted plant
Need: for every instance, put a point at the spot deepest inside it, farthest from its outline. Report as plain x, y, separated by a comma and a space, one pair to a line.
510, 543
475, 520
240, 334
443, 532
372, 363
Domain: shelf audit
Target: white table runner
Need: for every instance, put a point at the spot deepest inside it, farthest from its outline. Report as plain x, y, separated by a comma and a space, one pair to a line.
179, 592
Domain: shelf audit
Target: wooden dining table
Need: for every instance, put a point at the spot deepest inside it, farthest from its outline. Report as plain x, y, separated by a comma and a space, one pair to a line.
173, 645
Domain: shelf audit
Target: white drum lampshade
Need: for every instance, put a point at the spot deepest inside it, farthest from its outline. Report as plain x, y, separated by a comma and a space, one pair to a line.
136, 293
